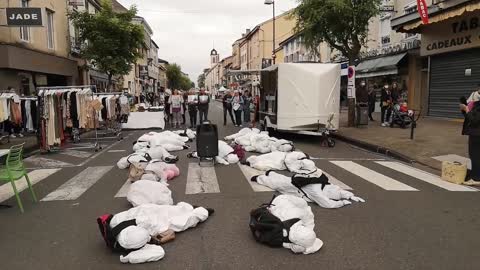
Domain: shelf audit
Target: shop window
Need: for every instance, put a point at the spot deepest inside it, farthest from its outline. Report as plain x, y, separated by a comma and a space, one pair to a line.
50, 30
385, 40
25, 30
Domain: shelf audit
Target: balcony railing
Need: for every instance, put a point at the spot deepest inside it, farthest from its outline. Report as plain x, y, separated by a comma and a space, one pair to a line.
75, 45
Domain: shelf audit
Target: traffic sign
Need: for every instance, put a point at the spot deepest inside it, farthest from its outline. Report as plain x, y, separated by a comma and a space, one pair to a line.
351, 82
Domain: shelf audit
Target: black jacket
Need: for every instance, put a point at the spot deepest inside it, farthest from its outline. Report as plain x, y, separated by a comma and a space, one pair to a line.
471, 125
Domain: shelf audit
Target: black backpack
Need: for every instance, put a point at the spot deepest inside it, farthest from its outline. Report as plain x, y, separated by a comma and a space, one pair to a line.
267, 228
110, 234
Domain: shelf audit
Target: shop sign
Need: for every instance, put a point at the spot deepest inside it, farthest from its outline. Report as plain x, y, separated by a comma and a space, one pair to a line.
423, 10
24, 16
76, 3
387, 8
460, 34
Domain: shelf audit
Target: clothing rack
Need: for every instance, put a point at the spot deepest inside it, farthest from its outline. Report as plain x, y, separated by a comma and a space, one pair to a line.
10, 94
115, 128
75, 131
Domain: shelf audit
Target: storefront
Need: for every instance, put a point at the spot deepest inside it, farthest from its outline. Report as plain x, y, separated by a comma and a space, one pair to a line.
25, 69
451, 45
454, 50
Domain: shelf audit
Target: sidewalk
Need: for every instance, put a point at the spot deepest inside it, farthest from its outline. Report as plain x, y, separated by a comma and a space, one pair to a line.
30, 141
433, 138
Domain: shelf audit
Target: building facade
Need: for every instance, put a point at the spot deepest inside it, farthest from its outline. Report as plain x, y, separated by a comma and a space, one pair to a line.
450, 47
31, 57
212, 76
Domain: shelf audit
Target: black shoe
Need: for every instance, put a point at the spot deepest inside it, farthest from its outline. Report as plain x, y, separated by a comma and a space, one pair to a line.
268, 172
254, 178
186, 147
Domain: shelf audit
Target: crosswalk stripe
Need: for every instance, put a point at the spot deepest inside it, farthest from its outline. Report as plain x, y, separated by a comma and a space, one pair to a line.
424, 176
122, 193
76, 153
201, 180
337, 182
77, 185
250, 172
45, 162
373, 177
6, 190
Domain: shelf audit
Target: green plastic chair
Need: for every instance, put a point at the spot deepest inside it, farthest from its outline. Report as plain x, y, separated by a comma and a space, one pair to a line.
15, 170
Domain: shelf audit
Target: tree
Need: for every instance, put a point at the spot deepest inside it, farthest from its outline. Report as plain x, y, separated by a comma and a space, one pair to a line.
201, 80
110, 41
343, 24
176, 79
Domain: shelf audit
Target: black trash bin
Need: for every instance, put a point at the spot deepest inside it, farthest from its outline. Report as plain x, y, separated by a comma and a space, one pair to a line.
207, 140
362, 114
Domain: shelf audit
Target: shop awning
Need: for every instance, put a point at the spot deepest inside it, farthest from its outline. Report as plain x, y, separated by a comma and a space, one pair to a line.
386, 65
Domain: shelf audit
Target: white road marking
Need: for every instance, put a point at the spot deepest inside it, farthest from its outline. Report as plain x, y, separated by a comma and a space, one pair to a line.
101, 152
457, 158
122, 193
42, 162
425, 176
337, 182
201, 180
6, 190
116, 151
77, 185
373, 177
76, 153
250, 172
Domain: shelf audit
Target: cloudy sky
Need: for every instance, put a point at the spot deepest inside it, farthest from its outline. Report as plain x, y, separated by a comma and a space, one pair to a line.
185, 30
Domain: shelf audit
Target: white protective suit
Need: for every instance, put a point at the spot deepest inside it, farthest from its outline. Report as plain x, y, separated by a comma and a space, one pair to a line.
148, 192
225, 154
167, 139
261, 142
332, 196
152, 220
188, 132
157, 152
301, 235
242, 132
125, 162
267, 162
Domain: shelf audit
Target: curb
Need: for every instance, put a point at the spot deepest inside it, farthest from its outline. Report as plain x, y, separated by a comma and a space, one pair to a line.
376, 148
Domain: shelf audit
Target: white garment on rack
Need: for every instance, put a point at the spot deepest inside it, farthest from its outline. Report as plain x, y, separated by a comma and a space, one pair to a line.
28, 114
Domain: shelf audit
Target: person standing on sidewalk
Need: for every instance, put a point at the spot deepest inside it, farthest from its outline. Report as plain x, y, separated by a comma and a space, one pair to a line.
227, 107
203, 105
192, 108
247, 99
372, 99
176, 108
471, 128
386, 106
237, 104
184, 105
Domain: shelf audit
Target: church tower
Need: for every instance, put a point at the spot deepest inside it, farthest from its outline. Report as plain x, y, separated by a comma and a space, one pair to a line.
214, 58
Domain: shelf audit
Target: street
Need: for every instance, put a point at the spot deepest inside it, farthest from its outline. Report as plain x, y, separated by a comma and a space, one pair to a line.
405, 223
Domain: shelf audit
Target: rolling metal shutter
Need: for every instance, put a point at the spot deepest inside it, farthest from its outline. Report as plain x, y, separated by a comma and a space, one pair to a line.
448, 81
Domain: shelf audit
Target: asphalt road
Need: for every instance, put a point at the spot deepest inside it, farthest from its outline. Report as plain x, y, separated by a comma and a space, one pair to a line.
430, 228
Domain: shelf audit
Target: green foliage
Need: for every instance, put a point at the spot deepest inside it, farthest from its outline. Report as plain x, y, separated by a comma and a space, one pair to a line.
201, 80
110, 41
176, 79
343, 24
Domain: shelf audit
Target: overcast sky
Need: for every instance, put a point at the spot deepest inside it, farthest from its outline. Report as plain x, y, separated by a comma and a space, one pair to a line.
185, 30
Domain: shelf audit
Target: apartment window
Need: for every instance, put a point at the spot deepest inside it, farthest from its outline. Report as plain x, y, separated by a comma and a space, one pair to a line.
50, 30
385, 29
410, 35
24, 30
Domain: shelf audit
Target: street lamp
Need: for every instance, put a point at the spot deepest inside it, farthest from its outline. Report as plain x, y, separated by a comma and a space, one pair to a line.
272, 2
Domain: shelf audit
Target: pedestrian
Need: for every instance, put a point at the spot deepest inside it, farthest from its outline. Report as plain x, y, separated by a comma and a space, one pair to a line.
176, 108
247, 99
185, 101
471, 128
372, 99
227, 107
237, 104
168, 115
396, 93
203, 104
192, 108
386, 106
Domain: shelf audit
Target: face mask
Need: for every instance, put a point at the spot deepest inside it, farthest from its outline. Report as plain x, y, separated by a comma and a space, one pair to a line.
386, 86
